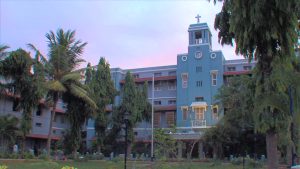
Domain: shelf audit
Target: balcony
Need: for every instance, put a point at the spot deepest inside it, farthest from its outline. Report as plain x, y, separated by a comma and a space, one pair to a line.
198, 123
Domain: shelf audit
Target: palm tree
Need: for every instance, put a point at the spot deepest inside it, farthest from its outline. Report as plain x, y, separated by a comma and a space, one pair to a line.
25, 84
8, 130
3, 52
63, 57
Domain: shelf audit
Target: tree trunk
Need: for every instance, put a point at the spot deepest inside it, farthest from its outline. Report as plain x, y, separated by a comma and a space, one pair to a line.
50, 128
192, 148
272, 154
75, 153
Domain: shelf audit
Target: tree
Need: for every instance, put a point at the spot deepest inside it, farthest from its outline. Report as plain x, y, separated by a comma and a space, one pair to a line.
64, 56
103, 92
237, 98
3, 52
8, 131
265, 31
165, 144
135, 103
78, 110
25, 84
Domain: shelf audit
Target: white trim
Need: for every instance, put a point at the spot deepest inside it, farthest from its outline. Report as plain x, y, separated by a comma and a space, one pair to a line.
58, 128
90, 128
201, 44
184, 58
152, 70
213, 57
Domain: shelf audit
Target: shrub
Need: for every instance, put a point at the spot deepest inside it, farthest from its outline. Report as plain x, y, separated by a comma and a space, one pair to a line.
68, 167
3, 167
28, 155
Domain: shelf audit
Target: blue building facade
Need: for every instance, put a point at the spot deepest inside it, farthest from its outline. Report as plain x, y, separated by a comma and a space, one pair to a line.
183, 96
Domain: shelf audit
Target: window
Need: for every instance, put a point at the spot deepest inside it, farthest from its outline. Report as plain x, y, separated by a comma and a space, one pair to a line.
54, 131
214, 78
135, 133
157, 102
198, 37
199, 99
172, 73
231, 68
62, 132
171, 102
198, 69
157, 119
136, 76
215, 112
184, 77
158, 74
157, 85
172, 85
184, 113
170, 116
199, 83
38, 124
199, 113
247, 67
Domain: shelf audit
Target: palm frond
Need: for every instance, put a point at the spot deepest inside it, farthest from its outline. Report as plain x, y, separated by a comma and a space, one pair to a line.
81, 93
74, 76
56, 85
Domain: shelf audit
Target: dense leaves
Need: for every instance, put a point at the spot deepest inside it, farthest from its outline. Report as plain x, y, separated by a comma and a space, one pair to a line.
103, 92
264, 31
8, 131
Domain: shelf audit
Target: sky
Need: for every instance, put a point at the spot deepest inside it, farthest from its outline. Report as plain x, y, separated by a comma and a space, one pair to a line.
129, 34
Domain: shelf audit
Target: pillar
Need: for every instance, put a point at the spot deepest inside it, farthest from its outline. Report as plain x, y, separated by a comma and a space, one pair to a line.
179, 149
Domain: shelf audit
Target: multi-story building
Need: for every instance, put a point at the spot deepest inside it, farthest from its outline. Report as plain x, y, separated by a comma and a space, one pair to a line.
183, 94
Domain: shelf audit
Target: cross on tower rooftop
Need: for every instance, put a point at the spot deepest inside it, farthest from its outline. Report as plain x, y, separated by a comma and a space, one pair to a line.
198, 18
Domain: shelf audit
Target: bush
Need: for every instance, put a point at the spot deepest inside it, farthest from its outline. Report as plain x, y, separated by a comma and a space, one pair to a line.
117, 159
3, 167
28, 155
43, 157
68, 167
14, 156
248, 162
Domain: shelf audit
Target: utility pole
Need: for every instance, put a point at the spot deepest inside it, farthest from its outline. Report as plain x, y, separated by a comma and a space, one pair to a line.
152, 121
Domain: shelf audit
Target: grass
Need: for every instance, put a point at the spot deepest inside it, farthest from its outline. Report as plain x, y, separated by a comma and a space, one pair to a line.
38, 164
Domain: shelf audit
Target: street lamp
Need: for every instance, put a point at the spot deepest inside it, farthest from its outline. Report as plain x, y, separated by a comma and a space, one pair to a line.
126, 121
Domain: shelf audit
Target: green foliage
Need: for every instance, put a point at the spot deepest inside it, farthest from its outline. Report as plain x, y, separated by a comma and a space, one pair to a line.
64, 56
265, 31
103, 92
8, 131
237, 127
135, 103
165, 144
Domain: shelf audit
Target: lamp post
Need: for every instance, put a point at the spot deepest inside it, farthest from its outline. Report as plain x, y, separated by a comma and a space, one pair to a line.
152, 121
126, 117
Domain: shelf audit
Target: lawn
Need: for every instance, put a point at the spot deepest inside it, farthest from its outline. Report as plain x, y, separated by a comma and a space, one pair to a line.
16, 164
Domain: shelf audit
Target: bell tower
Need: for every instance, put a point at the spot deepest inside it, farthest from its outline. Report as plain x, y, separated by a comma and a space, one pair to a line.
199, 34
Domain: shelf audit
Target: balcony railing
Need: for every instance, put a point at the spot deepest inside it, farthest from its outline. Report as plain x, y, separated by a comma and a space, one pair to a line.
198, 123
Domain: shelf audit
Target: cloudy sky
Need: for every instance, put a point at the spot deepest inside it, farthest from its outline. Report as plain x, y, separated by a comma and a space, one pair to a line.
129, 34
